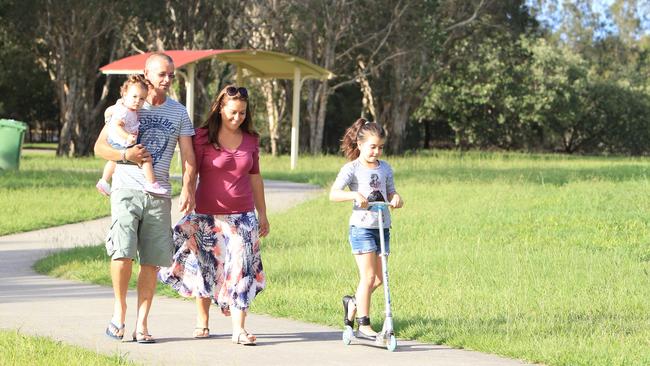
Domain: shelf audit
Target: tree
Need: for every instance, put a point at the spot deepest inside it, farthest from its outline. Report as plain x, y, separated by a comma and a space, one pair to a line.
322, 26
593, 71
334, 34
481, 94
475, 74
407, 75
76, 41
25, 87
161, 25
265, 26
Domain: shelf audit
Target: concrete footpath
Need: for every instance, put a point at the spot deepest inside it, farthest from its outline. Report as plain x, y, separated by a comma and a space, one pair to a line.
78, 313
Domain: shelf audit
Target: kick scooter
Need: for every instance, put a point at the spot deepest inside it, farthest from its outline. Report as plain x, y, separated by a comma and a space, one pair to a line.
386, 338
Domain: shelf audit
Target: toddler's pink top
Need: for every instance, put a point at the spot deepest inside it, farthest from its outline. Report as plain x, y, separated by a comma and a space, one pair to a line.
224, 183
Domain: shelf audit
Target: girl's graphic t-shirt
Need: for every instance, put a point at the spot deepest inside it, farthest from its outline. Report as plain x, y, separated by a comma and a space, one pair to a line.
376, 184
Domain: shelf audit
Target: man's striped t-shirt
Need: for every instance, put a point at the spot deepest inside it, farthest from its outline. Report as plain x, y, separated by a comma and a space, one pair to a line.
160, 128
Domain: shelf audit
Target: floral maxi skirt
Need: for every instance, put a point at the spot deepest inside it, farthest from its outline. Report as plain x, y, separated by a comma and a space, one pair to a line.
217, 256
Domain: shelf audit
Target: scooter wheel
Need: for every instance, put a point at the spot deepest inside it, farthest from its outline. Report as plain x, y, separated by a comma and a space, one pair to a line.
348, 333
391, 344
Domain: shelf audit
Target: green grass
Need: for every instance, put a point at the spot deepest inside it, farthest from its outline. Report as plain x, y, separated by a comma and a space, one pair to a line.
87, 264
20, 349
40, 145
49, 191
538, 257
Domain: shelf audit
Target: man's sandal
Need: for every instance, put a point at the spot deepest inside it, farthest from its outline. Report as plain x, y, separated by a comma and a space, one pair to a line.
244, 338
114, 331
201, 333
140, 337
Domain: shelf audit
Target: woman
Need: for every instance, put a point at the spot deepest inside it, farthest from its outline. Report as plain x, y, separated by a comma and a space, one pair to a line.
217, 249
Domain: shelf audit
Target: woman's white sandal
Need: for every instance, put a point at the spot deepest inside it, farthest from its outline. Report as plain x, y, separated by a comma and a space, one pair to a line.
246, 341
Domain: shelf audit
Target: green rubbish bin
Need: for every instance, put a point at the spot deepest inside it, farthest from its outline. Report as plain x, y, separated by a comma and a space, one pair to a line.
11, 141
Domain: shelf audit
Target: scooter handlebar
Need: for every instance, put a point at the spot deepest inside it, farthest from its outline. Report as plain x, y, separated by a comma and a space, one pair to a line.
379, 204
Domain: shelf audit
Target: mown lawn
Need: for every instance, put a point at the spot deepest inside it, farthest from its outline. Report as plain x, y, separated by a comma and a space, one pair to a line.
538, 257
20, 349
49, 191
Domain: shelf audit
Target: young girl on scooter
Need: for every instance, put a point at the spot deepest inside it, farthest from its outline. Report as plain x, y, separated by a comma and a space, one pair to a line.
368, 179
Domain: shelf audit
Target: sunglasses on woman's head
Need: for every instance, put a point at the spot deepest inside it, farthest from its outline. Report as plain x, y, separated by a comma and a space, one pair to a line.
232, 91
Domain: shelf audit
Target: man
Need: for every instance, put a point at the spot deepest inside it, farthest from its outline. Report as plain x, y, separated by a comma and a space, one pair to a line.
141, 222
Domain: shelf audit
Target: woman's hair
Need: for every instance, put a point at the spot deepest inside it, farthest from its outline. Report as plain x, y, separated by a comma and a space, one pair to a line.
213, 122
134, 80
358, 133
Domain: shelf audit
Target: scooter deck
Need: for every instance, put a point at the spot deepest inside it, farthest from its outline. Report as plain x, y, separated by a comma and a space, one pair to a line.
381, 340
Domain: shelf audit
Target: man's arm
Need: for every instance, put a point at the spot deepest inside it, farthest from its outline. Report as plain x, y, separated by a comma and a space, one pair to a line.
103, 149
188, 167
137, 154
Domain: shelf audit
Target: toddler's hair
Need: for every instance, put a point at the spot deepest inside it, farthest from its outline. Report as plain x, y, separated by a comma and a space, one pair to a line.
134, 80
358, 133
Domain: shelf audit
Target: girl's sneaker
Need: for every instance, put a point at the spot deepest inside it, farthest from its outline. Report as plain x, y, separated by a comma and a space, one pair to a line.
154, 188
103, 187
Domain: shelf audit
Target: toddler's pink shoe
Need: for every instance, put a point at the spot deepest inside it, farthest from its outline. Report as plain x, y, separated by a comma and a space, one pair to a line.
155, 188
103, 187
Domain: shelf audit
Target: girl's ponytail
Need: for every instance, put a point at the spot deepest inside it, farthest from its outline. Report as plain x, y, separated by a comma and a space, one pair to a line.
349, 140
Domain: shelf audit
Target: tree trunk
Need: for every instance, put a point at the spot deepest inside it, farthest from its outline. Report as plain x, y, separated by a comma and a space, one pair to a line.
273, 115
400, 116
80, 116
66, 138
399, 106
318, 124
426, 144
368, 101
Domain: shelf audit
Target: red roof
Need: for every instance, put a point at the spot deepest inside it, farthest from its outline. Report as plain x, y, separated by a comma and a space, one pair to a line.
135, 64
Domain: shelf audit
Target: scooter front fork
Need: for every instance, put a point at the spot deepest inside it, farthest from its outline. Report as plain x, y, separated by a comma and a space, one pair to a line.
386, 332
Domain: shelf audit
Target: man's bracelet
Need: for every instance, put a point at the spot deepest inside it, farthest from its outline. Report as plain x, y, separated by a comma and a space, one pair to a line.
124, 156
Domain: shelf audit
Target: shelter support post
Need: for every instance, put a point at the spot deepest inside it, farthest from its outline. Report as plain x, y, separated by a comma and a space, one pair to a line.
238, 76
295, 118
189, 91
189, 103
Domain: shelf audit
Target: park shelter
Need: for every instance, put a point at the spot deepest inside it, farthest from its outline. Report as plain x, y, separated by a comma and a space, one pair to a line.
256, 63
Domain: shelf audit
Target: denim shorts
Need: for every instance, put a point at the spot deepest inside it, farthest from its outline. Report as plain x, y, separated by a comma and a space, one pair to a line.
363, 240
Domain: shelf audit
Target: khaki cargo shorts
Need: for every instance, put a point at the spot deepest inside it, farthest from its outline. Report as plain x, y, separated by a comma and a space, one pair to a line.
140, 225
